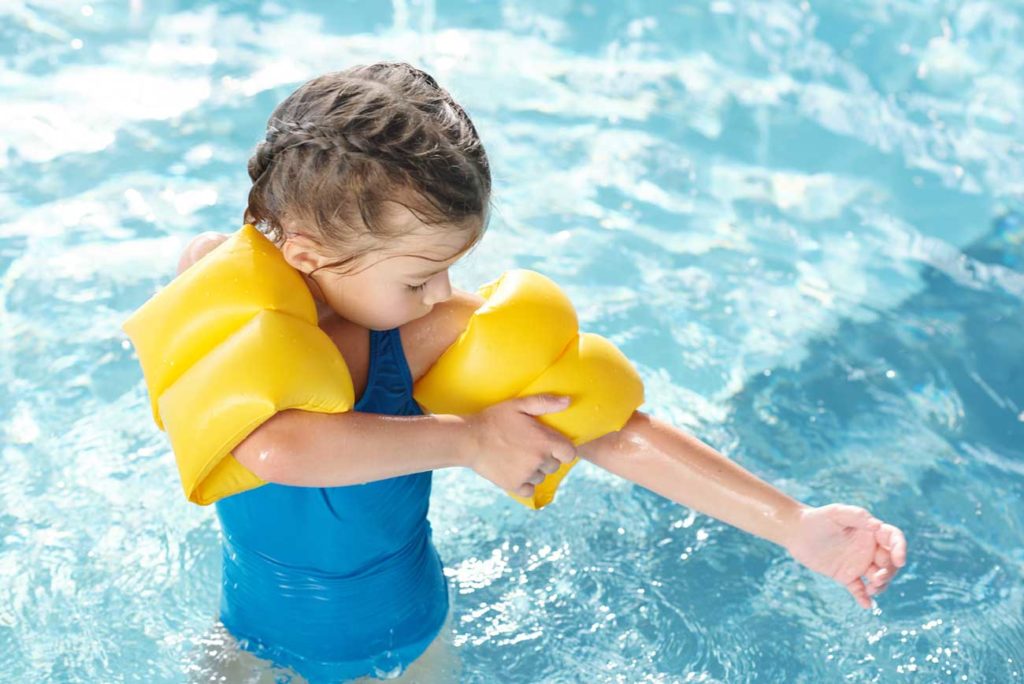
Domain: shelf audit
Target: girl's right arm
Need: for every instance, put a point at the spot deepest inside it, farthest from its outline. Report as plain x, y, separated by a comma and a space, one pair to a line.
503, 443
306, 449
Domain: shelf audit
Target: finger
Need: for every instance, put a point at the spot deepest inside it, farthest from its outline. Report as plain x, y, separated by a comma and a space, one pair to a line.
898, 545
856, 589
536, 478
550, 465
879, 588
891, 539
853, 516
525, 490
565, 453
560, 448
878, 578
540, 404
882, 558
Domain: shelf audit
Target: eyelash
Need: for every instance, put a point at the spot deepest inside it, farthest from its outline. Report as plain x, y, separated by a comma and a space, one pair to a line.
417, 288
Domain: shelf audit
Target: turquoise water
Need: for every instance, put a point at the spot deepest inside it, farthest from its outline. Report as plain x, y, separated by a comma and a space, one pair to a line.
801, 221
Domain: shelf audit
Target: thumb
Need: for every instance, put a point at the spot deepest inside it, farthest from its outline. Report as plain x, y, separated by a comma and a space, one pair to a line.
539, 404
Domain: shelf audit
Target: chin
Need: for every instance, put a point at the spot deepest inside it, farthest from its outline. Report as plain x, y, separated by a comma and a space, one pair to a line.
420, 315
400, 322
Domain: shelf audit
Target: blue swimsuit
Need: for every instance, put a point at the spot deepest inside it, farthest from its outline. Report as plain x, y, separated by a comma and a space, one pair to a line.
338, 582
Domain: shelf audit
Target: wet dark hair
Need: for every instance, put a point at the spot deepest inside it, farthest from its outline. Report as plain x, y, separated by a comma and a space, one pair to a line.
344, 145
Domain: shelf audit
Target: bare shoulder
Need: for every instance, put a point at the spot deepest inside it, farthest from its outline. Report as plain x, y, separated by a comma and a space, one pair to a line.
200, 246
426, 338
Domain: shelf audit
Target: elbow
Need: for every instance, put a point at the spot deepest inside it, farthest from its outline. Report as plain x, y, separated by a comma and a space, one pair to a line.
264, 452
612, 445
597, 449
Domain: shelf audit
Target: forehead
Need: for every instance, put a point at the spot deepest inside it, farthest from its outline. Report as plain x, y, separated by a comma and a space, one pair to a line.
423, 247
421, 255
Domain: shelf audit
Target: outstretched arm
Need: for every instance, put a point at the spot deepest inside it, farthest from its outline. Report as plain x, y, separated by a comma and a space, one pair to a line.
843, 542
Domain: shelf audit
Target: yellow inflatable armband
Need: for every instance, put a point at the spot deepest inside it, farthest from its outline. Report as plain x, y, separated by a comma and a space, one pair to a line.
525, 340
225, 346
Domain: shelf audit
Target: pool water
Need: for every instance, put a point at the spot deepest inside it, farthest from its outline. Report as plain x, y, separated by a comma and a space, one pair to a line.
802, 221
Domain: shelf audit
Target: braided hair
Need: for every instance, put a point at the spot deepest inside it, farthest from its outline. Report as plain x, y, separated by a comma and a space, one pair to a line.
345, 144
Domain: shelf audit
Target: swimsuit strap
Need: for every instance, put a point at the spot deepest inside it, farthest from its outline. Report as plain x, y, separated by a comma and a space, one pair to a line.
389, 380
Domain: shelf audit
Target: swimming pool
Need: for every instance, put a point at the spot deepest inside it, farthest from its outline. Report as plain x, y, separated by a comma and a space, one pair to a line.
801, 220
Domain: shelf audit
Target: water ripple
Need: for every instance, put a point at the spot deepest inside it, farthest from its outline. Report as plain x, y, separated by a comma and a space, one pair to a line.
801, 221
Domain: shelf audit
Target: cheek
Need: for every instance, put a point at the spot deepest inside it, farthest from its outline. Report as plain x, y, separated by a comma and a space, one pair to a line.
414, 301
372, 300
400, 302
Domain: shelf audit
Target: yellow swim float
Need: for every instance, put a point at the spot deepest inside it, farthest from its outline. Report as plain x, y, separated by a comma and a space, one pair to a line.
525, 340
234, 340
226, 345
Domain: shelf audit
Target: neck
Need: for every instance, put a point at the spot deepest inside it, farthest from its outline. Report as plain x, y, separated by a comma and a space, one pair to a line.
322, 309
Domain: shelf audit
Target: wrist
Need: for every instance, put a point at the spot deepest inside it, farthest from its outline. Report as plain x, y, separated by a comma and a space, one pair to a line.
791, 518
460, 435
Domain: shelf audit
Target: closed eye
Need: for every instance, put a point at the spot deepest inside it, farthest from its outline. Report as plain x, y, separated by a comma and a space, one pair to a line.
417, 288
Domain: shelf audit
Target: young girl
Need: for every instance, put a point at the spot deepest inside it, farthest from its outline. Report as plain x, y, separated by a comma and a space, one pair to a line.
373, 183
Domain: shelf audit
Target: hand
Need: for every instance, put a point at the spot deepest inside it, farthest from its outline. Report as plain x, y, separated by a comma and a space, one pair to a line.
847, 543
514, 450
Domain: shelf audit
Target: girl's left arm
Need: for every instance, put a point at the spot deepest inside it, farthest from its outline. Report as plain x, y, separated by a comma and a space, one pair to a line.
839, 541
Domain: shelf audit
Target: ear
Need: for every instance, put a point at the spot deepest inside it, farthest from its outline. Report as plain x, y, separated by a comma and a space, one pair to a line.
301, 253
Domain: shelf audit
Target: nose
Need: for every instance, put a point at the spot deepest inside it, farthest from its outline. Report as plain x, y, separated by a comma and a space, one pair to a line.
439, 290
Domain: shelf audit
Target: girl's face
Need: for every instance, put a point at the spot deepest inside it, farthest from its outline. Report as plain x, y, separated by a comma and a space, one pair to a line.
389, 287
